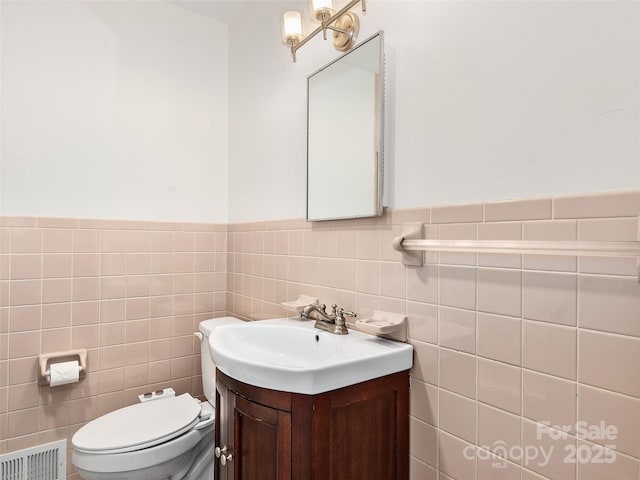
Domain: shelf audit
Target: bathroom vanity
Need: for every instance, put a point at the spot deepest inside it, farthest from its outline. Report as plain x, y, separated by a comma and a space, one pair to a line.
356, 432
298, 403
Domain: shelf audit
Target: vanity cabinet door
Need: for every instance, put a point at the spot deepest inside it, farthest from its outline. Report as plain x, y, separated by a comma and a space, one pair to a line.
262, 442
255, 426
362, 431
370, 425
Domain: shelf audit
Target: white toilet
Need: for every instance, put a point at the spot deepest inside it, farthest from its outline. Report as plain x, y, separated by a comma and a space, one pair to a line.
162, 439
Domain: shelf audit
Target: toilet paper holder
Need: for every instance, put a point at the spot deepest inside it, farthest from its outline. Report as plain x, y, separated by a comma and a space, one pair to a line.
46, 359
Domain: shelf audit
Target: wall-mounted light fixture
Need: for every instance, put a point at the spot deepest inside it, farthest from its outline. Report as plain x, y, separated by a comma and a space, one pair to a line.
344, 24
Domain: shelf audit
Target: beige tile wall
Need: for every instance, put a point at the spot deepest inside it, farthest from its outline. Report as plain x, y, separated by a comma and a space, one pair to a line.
502, 342
132, 293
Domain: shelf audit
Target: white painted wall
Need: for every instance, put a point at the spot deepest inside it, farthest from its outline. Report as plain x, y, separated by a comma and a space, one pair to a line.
114, 110
119, 109
486, 101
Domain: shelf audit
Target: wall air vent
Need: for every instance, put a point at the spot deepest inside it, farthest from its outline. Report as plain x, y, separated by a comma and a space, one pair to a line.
44, 462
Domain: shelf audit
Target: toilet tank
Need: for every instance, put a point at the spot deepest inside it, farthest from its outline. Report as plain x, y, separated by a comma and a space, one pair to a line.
208, 367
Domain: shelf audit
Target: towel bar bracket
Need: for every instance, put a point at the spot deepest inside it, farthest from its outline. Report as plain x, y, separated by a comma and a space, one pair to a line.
410, 231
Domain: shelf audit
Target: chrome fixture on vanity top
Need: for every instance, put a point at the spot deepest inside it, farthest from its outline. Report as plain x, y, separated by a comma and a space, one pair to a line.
333, 322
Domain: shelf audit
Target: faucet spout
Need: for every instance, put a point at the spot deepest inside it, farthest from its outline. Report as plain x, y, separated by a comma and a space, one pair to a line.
333, 322
320, 310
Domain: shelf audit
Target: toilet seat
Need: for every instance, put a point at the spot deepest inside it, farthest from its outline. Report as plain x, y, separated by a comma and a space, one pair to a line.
138, 426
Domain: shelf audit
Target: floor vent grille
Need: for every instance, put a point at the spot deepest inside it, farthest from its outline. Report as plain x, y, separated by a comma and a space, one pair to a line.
44, 462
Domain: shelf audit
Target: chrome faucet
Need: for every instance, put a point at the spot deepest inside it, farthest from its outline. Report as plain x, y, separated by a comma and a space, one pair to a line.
333, 322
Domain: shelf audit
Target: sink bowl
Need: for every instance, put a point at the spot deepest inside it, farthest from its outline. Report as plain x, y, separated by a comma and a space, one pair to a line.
292, 356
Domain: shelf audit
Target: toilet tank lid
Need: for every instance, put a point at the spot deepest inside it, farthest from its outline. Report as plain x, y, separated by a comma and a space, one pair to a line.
138, 426
208, 326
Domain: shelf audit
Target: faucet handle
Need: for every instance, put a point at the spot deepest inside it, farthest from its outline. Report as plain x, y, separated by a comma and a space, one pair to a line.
343, 312
340, 320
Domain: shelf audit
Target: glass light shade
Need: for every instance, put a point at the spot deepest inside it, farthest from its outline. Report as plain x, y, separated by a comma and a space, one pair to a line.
318, 7
291, 27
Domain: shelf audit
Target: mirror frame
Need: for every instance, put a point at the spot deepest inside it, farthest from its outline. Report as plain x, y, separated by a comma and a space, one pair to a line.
380, 127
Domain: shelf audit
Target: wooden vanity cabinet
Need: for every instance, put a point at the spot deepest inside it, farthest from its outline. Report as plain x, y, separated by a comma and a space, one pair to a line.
360, 432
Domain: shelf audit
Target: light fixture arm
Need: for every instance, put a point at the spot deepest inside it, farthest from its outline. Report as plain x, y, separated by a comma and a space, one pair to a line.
327, 24
335, 29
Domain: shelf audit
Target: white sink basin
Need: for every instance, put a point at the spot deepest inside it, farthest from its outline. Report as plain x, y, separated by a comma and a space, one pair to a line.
292, 356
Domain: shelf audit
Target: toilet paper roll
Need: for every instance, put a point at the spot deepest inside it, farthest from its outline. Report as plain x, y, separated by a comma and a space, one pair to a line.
64, 372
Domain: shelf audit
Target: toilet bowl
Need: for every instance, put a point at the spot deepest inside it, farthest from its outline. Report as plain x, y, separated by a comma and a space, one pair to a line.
162, 439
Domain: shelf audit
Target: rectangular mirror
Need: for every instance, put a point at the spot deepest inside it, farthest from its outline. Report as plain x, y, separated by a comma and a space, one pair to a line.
345, 135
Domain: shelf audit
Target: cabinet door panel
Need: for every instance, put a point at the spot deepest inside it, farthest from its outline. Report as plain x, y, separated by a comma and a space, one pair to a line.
363, 439
262, 442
